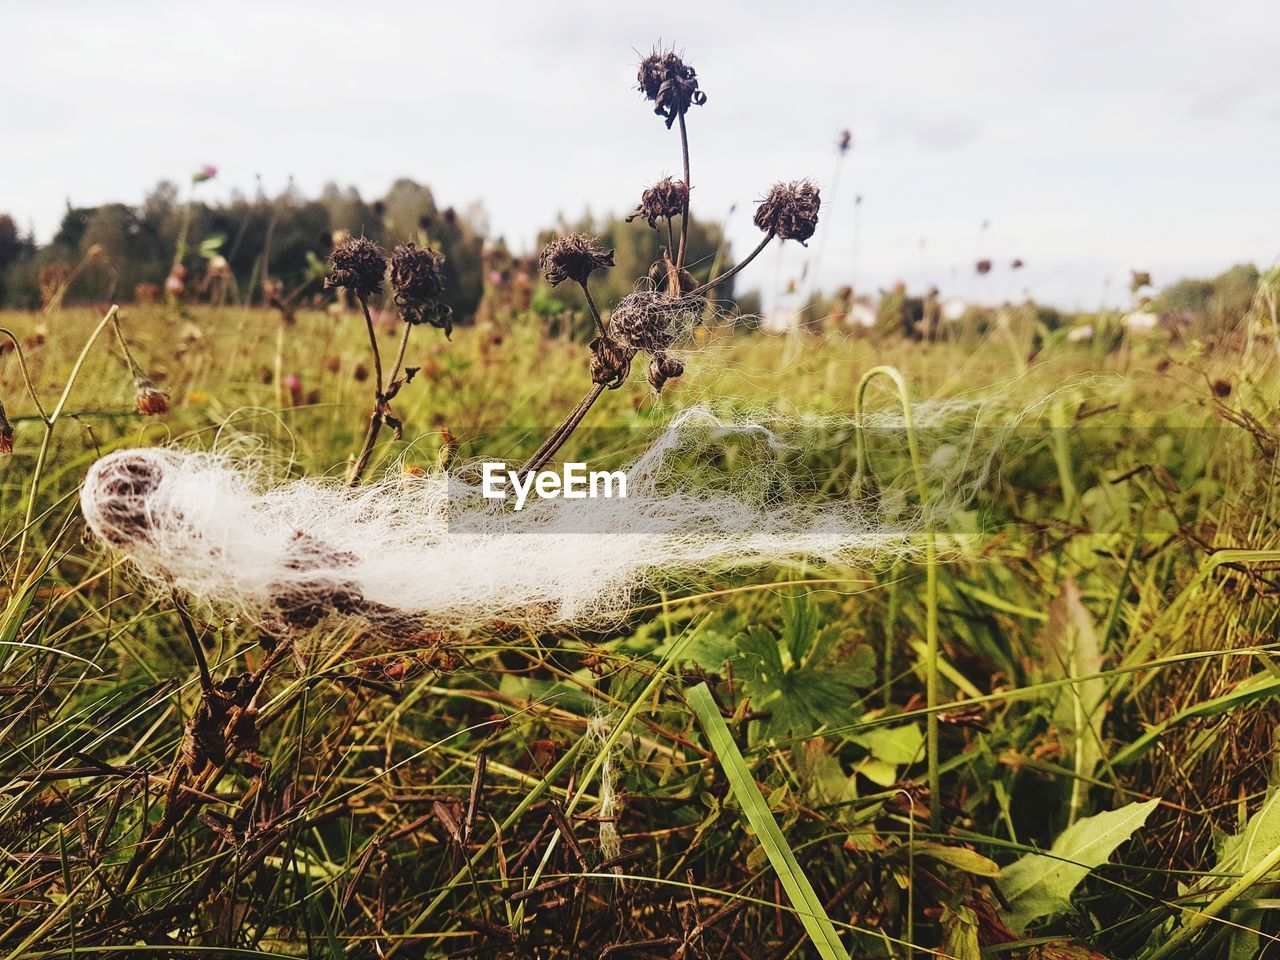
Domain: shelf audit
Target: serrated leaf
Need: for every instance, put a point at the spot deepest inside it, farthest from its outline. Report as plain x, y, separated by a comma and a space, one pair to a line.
1040, 885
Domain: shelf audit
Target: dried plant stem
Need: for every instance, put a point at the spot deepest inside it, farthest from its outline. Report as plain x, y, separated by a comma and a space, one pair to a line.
562, 433
595, 311
380, 390
684, 213
735, 268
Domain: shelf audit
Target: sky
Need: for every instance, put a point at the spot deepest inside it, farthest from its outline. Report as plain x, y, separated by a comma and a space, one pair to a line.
1089, 138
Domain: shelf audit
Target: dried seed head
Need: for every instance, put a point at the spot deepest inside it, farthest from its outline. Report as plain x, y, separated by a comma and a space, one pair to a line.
663, 368
610, 362
1222, 388
790, 210
150, 400
983, 266
6, 433
670, 83
359, 265
665, 199
418, 279
574, 257
645, 321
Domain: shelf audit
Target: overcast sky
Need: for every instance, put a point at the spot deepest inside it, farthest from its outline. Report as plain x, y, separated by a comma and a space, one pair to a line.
1094, 137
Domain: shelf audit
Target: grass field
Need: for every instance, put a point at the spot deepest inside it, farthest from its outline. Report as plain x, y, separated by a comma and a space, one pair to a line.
1104, 690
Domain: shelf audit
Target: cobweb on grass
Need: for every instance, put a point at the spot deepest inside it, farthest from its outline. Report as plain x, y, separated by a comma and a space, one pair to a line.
709, 495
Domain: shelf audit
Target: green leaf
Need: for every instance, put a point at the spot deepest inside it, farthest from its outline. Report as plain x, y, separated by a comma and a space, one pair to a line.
962, 858
1040, 885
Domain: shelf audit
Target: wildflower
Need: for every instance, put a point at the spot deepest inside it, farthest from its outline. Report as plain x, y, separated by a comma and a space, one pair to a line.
670, 83
574, 257
663, 368
665, 199
206, 172
293, 383
6, 433
359, 265
150, 400
418, 278
790, 210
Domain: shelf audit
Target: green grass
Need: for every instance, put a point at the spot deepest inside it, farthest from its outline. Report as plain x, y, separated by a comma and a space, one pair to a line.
443, 799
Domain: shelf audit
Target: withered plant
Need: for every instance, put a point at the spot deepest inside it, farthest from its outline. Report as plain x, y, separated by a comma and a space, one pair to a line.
668, 299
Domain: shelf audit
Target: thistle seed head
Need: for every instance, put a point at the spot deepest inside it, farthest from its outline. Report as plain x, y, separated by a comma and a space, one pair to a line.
150, 400
418, 279
665, 199
645, 321
663, 368
574, 257
359, 265
670, 83
790, 210
610, 362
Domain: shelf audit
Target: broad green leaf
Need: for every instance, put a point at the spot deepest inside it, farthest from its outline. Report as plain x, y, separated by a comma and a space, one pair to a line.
1040, 885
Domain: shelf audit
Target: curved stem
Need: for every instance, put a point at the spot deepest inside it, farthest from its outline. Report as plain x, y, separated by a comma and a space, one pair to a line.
26, 374
404, 344
931, 574
375, 419
373, 345
684, 213
735, 268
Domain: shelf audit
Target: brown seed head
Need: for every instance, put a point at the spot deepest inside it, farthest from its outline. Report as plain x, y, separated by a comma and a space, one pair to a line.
610, 362
645, 321
670, 83
574, 257
418, 279
790, 210
665, 199
359, 265
663, 368
150, 400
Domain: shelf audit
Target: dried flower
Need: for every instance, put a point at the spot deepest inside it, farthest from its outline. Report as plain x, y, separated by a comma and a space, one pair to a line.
150, 400
665, 199
6, 433
610, 362
645, 321
574, 257
1221, 388
418, 278
359, 265
670, 83
663, 368
983, 267
790, 210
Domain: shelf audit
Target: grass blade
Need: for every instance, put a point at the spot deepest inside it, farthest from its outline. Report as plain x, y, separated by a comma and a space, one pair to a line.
798, 889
